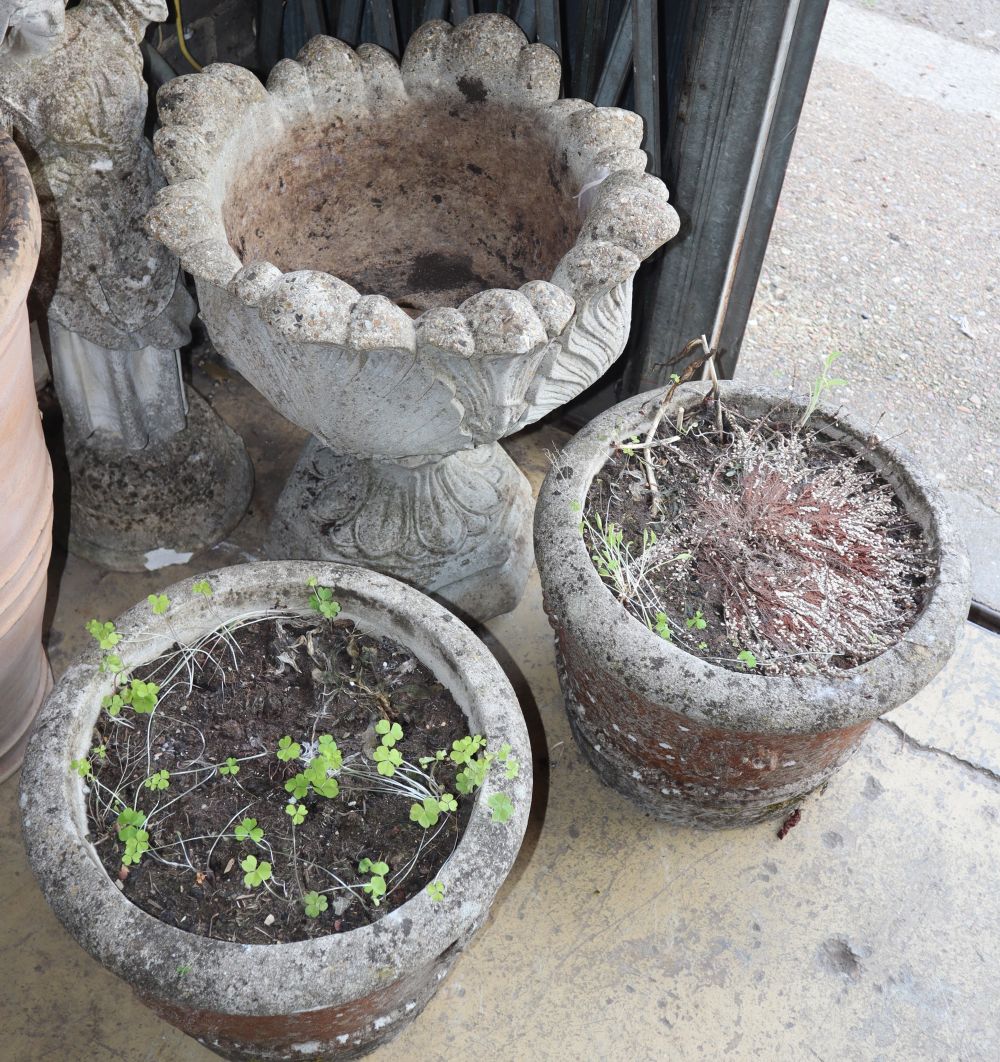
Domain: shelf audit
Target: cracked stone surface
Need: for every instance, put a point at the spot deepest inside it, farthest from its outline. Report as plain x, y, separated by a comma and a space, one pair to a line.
865, 934
970, 729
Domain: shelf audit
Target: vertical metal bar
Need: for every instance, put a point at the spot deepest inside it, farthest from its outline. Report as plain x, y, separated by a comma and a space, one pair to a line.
293, 30
312, 18
435, 9
525, 17
269, 18
646, 82
594, 19
617, 63
549, 27
460, 10
747, 65
384, 20
349, 21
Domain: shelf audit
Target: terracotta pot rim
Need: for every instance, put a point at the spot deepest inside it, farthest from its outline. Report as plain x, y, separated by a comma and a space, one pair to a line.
205, 117
263, 979
578, 601
20, 230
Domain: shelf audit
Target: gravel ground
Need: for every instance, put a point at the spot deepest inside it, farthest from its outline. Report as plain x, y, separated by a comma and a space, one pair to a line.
885, 247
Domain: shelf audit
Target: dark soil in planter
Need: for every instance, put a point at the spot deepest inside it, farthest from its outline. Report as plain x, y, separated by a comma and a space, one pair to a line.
301, 678
767, 540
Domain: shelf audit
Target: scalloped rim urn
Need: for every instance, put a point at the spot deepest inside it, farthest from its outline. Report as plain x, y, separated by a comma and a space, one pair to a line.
337, 996
686, 740
410, 260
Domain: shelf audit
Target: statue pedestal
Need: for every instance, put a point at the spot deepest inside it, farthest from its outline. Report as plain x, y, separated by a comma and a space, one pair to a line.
457, 526
181, 494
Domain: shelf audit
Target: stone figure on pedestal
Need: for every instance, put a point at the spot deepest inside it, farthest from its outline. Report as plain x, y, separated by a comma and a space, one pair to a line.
152, 467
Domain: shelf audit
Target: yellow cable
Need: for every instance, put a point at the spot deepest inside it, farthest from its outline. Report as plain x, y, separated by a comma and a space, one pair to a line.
181, 43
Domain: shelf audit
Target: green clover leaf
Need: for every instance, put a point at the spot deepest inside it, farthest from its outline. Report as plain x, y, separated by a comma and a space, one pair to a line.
230, 766
435, 890
501, 806
315, 904
256, 873
391, 732
288, 749
248, 830
203, 587
298, 813
159, 603
159, 780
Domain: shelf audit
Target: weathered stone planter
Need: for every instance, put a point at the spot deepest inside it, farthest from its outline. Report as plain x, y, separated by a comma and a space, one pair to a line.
331, 997
410, 261
25, 471
692, 742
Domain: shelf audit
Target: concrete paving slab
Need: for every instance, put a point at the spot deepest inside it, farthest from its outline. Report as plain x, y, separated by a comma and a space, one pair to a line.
959, 712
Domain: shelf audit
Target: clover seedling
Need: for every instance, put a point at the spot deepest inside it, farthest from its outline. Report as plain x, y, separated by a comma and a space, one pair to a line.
426, 761
288, 749
697, 621
465, 749
113, 703
388, 759
747, 659
473, 776
100, 751
203, 587
256, 873
315, 904
136, 843
427, 813
297, 786
435, 890
141, 695
501, 806
376, 884
82, 768
662, 627
327, 748
391, 732
512, 764
159, 603
112, 663
248, 830
129, 820
321, 600
230, 766
159, 780
297, 812
105, 633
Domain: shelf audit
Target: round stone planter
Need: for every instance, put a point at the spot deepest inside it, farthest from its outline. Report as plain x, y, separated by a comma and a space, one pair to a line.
411, 261
337, 996
25, 471
687, 740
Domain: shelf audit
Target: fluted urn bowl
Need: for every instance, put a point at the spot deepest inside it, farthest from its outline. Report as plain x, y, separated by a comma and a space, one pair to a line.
410, 261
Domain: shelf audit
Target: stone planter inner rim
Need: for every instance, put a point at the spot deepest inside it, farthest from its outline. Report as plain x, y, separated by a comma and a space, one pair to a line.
427, 205
212, 119
710, 693
267, 979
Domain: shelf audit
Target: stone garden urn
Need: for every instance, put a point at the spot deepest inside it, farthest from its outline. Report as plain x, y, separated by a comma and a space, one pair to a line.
411, 261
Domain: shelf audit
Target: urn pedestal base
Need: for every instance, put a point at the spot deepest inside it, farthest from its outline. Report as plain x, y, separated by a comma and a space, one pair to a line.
456, 527
178, 496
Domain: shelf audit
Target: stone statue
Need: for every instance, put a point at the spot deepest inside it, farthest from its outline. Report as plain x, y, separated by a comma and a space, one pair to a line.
71, 88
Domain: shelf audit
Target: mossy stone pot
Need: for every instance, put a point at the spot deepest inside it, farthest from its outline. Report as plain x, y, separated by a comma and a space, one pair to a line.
333, 997
689, 741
